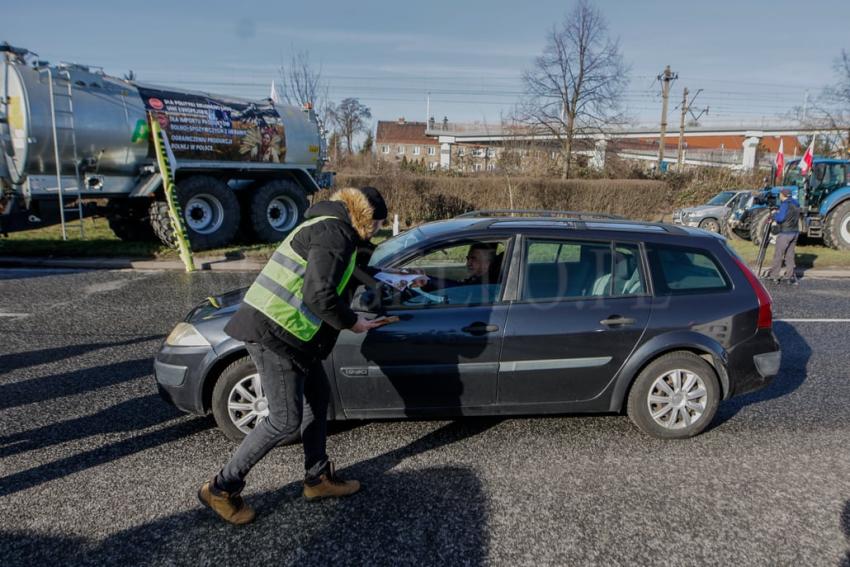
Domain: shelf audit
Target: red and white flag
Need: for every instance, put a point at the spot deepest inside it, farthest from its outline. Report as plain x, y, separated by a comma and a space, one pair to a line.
806, 161
780, 159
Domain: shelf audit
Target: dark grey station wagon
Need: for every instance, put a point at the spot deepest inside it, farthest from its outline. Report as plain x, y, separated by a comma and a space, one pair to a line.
583, 314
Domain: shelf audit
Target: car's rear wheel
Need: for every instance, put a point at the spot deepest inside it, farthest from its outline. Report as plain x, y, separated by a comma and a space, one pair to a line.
675, 396
238, 401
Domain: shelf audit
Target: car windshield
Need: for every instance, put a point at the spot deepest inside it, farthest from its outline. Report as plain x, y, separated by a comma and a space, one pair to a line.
721, 198
392, 245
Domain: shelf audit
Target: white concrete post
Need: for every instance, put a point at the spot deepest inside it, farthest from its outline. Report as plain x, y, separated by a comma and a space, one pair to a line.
599, 151
446, 151
751, 144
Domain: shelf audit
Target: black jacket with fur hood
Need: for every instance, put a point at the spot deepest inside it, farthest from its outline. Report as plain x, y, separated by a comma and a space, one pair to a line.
327, 247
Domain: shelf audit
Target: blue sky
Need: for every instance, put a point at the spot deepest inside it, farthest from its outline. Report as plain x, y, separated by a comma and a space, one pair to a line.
753, 59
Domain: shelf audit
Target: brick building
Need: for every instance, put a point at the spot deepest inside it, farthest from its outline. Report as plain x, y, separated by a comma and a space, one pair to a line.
400, 139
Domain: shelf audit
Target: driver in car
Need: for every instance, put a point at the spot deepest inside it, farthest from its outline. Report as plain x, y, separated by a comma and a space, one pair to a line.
482, 265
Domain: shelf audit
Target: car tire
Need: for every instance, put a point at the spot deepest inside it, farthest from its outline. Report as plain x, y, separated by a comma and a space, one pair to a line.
711, 225
658, 411
276, 208
239, 371
836, 233
210, 211
757, 225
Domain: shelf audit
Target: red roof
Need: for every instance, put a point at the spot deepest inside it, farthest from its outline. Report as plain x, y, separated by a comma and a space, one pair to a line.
402, 132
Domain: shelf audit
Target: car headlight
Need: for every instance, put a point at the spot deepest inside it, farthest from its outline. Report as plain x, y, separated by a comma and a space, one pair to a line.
185, 334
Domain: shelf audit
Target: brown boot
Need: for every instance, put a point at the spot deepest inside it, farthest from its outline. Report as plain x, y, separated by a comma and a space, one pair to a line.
230, 507
330, 486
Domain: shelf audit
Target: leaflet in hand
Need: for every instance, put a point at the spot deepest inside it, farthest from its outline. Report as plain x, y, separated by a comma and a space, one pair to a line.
399, 280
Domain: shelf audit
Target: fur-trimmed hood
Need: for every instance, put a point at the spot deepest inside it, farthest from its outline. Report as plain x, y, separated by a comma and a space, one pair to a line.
359, 210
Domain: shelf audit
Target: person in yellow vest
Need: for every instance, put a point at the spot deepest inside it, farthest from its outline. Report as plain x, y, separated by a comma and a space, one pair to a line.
290, 320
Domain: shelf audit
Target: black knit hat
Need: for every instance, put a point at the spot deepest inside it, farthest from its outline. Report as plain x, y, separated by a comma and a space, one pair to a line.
379, 207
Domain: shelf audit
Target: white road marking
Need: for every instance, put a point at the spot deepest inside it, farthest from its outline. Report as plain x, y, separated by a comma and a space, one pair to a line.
814, 320
14, 314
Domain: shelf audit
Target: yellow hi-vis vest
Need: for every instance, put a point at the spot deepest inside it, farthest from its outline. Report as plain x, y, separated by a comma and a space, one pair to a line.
278, 294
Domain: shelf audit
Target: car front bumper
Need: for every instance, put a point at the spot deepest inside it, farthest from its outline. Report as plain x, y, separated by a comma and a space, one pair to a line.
180, 372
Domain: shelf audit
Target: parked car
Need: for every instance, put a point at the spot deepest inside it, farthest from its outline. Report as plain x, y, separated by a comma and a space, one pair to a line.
710, 216
583, 315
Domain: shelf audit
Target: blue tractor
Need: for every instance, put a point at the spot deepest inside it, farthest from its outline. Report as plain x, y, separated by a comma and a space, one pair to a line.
824, 197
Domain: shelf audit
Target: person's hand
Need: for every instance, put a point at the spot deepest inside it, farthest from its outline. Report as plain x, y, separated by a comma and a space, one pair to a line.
418, 282
363, 324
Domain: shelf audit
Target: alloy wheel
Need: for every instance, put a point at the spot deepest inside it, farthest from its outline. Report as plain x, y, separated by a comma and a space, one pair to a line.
677, 399
247, 404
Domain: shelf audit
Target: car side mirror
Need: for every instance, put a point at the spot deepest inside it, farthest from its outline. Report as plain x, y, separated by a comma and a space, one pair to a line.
367, 300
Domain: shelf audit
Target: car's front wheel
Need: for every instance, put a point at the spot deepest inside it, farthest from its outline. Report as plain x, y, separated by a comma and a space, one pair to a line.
711, 225
675, 396
238, 401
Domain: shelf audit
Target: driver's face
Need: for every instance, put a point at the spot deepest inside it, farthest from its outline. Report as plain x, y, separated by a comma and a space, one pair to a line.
478, 262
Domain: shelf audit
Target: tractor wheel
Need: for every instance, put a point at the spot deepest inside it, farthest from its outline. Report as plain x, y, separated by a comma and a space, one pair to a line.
760, 220
210, 211
276, 208
129, 221
836, 230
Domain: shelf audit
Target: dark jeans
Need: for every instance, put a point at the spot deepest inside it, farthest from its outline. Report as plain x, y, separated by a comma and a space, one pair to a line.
298, 394
785, 247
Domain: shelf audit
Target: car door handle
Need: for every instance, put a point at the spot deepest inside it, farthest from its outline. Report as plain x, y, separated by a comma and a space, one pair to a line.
616, 320
480, 329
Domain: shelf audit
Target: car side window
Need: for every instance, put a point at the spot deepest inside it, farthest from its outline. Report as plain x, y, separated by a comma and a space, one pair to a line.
627, 271
468, 273
679, 270
560, 269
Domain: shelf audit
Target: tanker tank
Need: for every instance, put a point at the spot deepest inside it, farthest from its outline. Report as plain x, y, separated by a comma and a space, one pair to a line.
228, 152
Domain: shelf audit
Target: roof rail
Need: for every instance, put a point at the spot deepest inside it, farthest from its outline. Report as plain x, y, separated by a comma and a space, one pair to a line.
579, 215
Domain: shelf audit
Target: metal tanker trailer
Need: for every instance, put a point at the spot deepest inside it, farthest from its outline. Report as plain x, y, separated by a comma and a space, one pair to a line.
77, 141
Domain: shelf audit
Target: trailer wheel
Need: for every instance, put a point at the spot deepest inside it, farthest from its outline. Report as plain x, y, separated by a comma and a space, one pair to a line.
276, 208
210, 212
757, 225
836, 233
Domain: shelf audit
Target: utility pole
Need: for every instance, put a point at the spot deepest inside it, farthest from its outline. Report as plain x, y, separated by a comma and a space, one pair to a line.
666, 78
680, 156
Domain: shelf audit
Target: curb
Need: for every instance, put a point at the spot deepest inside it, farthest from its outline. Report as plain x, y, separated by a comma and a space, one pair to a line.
213, 264
225, 264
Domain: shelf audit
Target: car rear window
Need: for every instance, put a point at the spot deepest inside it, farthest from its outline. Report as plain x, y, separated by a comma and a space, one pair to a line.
679, 270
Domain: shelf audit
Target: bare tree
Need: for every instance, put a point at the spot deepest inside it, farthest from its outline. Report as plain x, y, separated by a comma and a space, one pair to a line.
351, 117
302, 83
829, 114
574, 87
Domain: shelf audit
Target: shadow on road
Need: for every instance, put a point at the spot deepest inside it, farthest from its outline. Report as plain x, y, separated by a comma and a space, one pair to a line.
133, 415
72, 383
10, 362
432, 516
796, 353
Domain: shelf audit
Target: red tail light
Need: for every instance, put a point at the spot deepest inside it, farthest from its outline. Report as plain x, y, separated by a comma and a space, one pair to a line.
765, 302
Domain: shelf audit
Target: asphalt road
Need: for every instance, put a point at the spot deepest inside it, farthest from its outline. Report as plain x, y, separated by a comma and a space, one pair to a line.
96, 469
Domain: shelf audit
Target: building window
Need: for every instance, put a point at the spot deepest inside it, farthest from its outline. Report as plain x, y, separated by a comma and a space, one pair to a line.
554, 155
460, 152
478, 152
416, 150
491, 152
491, 167
385, 149
400, 150
434, 165
432, 151
477, 167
